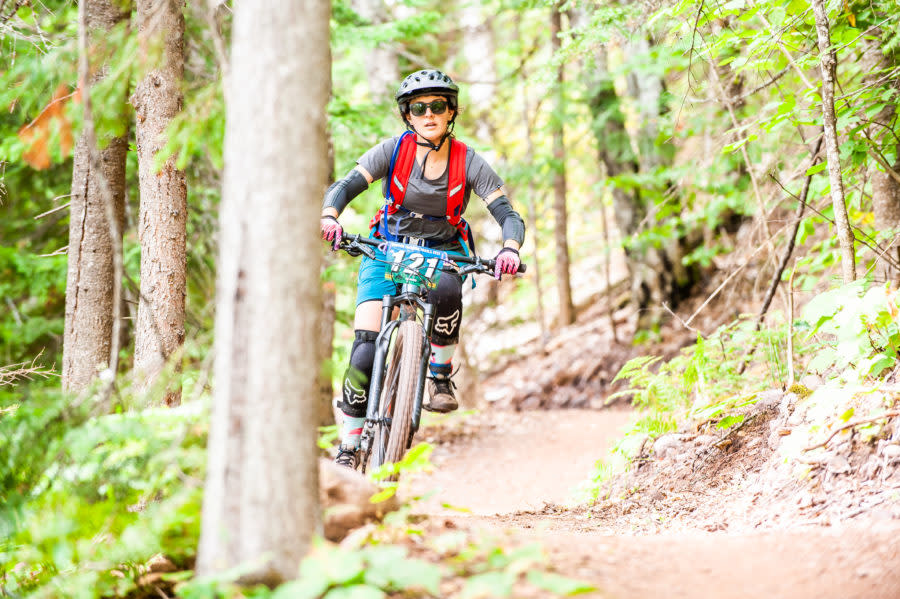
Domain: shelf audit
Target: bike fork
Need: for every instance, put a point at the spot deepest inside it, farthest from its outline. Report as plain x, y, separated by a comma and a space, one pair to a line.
427, 324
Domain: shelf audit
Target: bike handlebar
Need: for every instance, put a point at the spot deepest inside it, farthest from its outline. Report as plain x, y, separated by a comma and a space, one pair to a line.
476, 264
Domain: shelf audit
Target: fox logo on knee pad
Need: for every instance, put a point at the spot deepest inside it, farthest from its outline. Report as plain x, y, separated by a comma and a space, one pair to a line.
352, 395
447, 324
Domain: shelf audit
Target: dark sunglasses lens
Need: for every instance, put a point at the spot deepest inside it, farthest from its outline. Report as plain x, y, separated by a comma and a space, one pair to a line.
419, 108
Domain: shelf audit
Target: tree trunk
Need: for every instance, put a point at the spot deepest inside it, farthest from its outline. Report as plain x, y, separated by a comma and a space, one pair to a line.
604, 96
658, 275
94, 237
827, 66
560, 230
646, 88
325, 412
162, 229
886, 206
885, 187
261, 497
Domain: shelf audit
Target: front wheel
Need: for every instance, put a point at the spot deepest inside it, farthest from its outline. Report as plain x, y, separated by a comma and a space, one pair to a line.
399, 394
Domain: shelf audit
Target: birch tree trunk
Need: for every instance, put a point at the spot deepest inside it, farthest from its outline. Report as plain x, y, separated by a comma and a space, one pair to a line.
97, 218
261, 497
162, 227
560, 214
827, 66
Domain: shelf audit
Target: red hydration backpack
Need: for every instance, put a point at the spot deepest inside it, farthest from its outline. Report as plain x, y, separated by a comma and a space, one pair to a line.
402, 161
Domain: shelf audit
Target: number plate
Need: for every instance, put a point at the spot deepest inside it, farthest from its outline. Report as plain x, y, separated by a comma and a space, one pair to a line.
413, 264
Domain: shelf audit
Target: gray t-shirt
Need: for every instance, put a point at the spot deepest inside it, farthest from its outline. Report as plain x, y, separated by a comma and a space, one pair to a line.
429, 196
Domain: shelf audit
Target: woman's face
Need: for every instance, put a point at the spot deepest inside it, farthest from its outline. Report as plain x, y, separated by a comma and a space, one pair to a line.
429, 125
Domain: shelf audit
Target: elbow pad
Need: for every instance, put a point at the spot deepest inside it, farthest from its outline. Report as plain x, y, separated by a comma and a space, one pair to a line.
509, 220
341, 192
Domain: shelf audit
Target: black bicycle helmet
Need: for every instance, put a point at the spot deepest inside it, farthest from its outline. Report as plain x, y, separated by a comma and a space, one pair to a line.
427, 81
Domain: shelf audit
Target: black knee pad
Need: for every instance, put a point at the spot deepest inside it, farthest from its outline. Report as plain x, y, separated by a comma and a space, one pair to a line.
447, 300
355, 388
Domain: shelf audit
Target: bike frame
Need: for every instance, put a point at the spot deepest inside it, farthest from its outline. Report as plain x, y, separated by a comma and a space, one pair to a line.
411, 300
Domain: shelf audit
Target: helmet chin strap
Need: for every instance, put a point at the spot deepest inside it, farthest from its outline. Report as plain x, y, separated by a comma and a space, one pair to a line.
428, 144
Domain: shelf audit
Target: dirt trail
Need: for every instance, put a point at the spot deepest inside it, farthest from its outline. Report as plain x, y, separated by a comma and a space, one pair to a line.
517, 461
506, 467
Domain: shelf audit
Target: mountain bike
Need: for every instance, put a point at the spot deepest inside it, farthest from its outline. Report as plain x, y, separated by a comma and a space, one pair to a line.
403, 345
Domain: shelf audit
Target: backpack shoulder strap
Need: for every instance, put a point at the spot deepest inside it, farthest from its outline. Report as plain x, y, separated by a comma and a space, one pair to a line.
401, 166
456, 181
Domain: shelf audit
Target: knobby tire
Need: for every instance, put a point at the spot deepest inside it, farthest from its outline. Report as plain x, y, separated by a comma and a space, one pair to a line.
409, 337
385, 405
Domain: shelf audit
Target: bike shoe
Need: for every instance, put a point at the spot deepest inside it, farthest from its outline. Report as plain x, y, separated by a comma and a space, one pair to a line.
441, 397
348, 457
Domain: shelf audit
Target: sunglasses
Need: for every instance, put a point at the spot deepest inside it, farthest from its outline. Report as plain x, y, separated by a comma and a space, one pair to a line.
436, 106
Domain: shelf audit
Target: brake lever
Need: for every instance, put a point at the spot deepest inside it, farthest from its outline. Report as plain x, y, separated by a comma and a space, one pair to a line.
479, 268
355, 249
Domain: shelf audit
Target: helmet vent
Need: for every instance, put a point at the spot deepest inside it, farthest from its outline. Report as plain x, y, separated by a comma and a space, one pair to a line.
427, 81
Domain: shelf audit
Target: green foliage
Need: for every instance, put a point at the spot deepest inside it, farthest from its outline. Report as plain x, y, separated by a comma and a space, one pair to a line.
488, 567
704, 372
89, 497
854, 329
70, 468
33, 288
197, 133
705, 383
417, 459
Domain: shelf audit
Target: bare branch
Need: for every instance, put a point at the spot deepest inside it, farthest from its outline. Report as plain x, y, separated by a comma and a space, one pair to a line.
875, 248
722, 286
798, 217
853, 424
14, 372
729, 104
52, 210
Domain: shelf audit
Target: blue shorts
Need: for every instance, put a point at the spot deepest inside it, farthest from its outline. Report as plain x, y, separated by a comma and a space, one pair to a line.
371, 283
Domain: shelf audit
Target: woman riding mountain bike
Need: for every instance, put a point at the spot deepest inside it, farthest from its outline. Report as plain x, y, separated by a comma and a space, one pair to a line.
428, 177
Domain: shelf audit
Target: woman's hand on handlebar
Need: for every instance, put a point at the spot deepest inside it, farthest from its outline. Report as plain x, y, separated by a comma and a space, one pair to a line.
357, 244
331, 230
507, 262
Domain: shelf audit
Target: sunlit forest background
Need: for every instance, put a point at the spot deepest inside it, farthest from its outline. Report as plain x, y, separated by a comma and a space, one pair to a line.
662, 151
